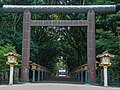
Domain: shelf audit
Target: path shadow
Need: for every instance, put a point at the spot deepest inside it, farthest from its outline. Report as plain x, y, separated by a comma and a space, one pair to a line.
62, 80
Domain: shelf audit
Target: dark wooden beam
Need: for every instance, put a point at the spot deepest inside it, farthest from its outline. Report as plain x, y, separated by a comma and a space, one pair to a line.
59, 23
59, 8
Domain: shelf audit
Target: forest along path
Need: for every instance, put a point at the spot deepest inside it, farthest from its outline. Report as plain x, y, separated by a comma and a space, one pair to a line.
55, 83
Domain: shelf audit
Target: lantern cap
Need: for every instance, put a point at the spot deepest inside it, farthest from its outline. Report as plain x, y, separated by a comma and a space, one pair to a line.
105, 53
12, 53
34, 64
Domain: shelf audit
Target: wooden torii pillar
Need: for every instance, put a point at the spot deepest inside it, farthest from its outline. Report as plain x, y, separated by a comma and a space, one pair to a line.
91, 60
26, 46
90, 23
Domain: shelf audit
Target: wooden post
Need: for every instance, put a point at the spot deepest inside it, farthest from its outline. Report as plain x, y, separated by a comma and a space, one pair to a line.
91, 46
86, 76
42, 78
33, 78
81, 76
26, 46
78, 76
38, 75
16, 75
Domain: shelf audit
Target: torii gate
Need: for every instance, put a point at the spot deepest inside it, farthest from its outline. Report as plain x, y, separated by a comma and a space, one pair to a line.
90, 23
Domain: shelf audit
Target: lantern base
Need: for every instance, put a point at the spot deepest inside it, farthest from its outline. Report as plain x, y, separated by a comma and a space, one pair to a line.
101, 64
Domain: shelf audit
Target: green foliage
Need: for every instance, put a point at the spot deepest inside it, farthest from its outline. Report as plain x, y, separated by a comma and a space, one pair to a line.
4, 49
114, 70
100, 1
108, 38
60, 65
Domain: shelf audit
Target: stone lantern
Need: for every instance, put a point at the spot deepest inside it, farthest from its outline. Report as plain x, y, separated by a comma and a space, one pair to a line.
12, 60
34, 67
105, 62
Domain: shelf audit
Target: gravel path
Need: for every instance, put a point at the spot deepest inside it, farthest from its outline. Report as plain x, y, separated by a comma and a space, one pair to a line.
56, 83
